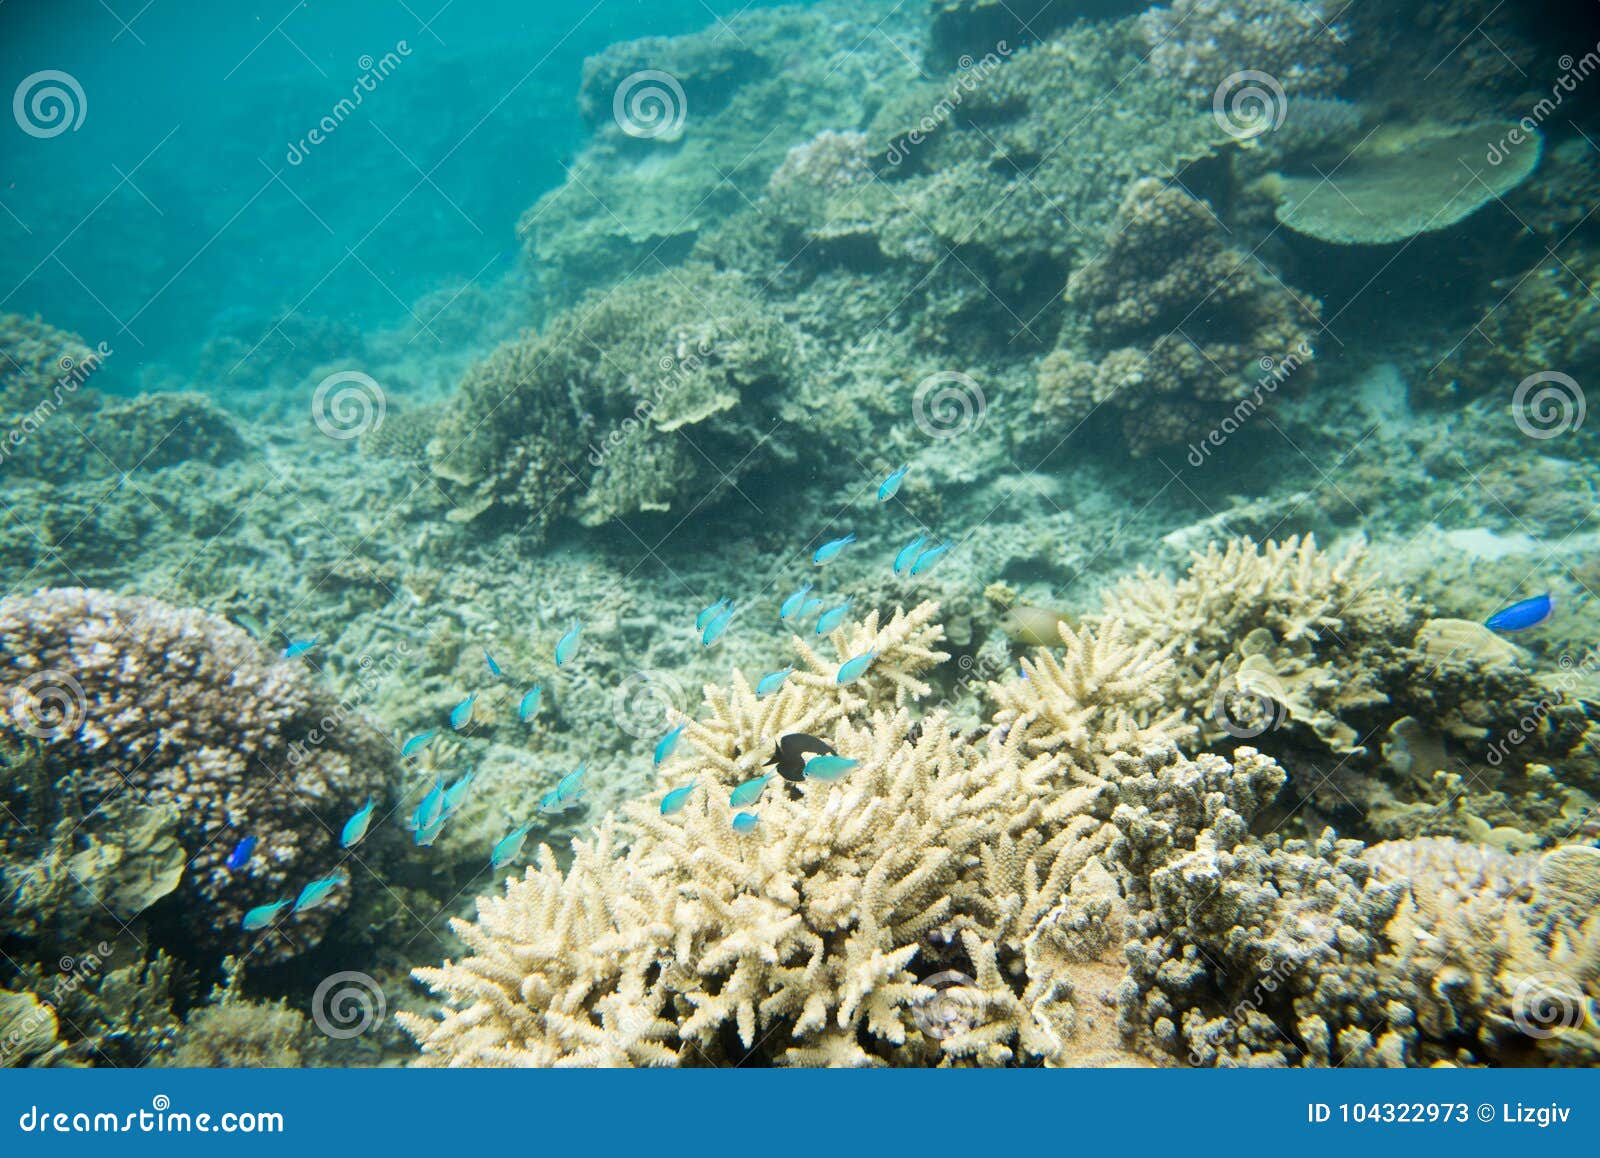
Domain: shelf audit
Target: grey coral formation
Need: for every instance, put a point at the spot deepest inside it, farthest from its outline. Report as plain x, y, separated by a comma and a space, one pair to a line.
133, 699
1183, 327
1300, 43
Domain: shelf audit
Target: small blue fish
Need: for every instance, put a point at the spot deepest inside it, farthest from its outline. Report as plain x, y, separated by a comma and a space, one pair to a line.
749, 792
829, 550
494, 668
568, 793
299, 648
454, 794
240, 856
794, 602
262, 915
430, 809
317, 891
461, 714
708, 614
668, 743
355, 829
675, 800
426, 836
908, 554
717, 626
929, 557
852, 670
832, 618
745, 823
568, 643
1521, 616
891, 485
808, 607
828, 767
509, 848
414, 745
529, 707
772, 681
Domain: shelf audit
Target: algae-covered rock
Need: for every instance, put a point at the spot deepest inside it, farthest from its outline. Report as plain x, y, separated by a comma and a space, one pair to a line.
1405, 182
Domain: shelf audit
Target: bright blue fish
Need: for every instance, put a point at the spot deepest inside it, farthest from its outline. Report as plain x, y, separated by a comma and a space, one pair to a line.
708, 614
263, 915
717, 626
454, 794
852, 670
929, 557
299, 648
745, 823
240, 856
828, 767
494, 668
749, 792
832, 547
430, 809
355, 829
509, 848
832, 618
675, 800
414, 745
891, 485
794, 602
772, 681
529, 707
426, 836
1521, 616
568, 643
461, 714
808, 607
908, 554
317, 891
668, 743
568, 793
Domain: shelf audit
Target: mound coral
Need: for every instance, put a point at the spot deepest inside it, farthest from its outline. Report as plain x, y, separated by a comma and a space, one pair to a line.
1181, 322
187, 712
1202, 42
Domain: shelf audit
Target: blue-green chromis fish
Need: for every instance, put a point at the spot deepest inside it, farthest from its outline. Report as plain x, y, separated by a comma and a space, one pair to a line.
668, 743
853, 669
568, 793
568, 643
831, 619
461, 714
830, 550
262, 915
929, 557
426, 836
355, 829
794, 602
509, 848
772, 681
675, 800
748, 792
429, 809
717, 626
317, 891
745, 822
494, 668
891, 485
299, 648
808, 607
828, 767
708, 614
908, 554
414, 745
454, 794
529, 707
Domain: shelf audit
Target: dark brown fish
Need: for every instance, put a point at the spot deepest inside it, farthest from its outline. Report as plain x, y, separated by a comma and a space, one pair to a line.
791, 752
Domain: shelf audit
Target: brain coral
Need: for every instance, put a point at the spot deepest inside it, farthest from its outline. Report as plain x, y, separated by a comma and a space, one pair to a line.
187, 710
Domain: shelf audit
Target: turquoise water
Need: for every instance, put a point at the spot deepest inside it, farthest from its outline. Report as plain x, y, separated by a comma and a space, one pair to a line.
871, 533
